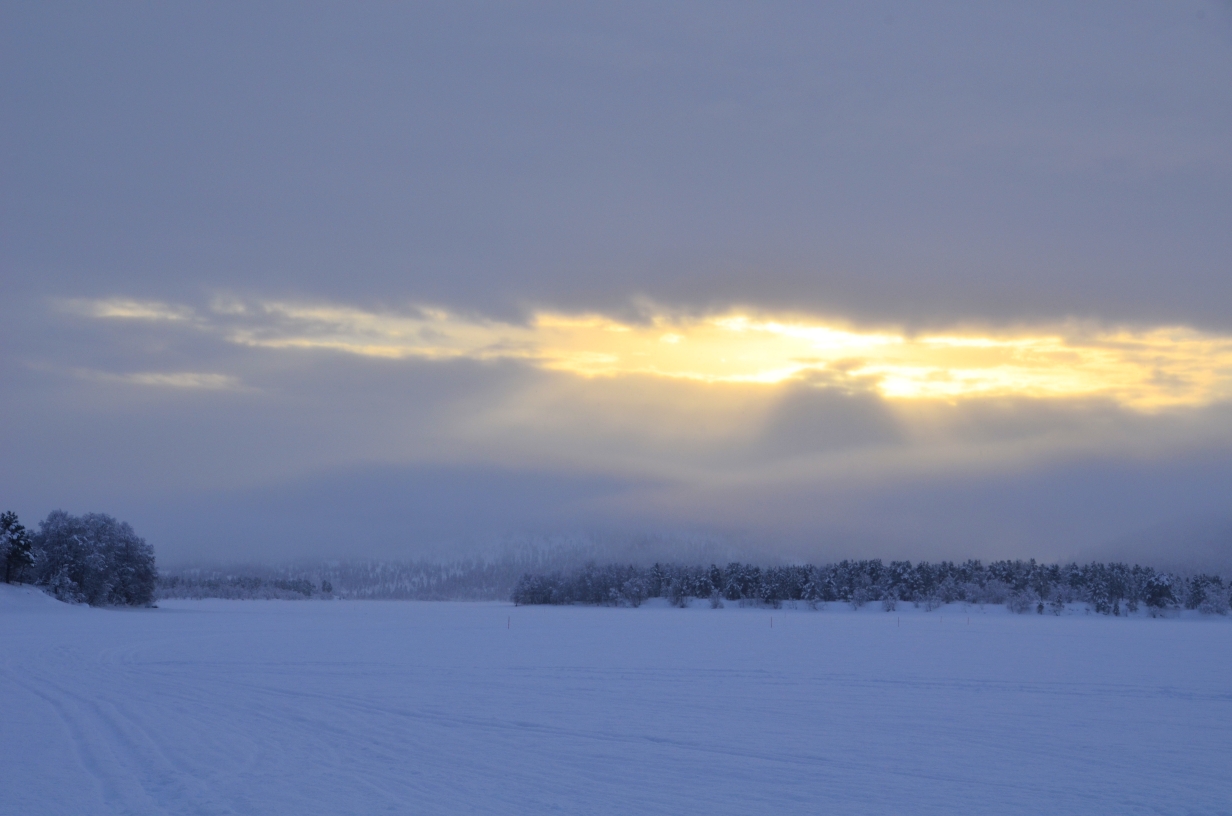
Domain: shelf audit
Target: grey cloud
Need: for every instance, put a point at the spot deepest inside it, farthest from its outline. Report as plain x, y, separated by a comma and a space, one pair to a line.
925, 164
1168, 510
1192, 542
1171, 514
884, 164
418, 511
167, 379
808, 419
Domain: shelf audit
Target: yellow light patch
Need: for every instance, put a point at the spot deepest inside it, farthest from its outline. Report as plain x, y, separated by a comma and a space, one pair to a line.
1144, 369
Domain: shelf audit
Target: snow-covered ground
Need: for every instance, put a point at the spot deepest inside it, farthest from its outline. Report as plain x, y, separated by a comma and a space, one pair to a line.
269, 707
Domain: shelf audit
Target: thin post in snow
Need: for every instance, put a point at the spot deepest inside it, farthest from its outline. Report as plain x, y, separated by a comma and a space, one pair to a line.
509, 622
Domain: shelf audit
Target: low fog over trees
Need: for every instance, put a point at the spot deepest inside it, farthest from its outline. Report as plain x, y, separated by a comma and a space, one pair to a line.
92, 559
467, 579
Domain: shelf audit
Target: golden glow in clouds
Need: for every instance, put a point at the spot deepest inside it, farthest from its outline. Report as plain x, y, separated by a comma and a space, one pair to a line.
1144, 369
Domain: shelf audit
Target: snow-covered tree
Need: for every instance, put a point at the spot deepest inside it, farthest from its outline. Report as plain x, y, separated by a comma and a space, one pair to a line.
15, 547
94, 559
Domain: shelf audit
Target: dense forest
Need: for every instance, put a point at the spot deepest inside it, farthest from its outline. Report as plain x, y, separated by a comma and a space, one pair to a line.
1023, 586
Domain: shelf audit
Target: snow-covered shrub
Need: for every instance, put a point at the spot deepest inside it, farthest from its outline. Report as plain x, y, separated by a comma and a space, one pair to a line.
633, 592
1157, 591
1205, 593
1214, 603
65, 588
1021, 602
534, 589
949, 590
992, 592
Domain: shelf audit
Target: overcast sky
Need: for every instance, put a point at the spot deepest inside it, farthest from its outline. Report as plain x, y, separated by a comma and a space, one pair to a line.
867, 279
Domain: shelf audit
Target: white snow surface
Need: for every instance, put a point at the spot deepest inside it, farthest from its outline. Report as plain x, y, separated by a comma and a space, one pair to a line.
370, 707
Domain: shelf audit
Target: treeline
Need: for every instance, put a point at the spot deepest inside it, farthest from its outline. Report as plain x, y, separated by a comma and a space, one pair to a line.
92, 559
197, 584
467, 579
481, 576
1023, 586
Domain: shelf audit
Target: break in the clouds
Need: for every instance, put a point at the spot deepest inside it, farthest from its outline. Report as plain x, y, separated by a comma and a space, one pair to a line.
869, 279
1146, 369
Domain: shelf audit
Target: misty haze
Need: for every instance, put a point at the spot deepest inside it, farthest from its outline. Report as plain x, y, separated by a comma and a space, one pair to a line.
629, 408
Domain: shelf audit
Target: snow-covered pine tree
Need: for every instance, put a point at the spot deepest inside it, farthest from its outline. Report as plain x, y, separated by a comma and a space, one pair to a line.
15, 547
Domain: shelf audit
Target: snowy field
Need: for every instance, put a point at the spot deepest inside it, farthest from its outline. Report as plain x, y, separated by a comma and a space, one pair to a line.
315, 707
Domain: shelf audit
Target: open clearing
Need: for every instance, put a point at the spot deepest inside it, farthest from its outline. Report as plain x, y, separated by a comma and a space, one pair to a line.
267, 707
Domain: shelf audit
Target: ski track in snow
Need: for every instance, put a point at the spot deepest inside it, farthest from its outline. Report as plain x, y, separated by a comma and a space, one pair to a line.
370, 707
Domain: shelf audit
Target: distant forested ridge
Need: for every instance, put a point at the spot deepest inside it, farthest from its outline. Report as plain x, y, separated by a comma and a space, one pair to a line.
1023, 586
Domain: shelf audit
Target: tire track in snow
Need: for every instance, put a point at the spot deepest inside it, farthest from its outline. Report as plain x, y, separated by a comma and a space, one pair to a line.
131, 771
118, 791
813, 762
